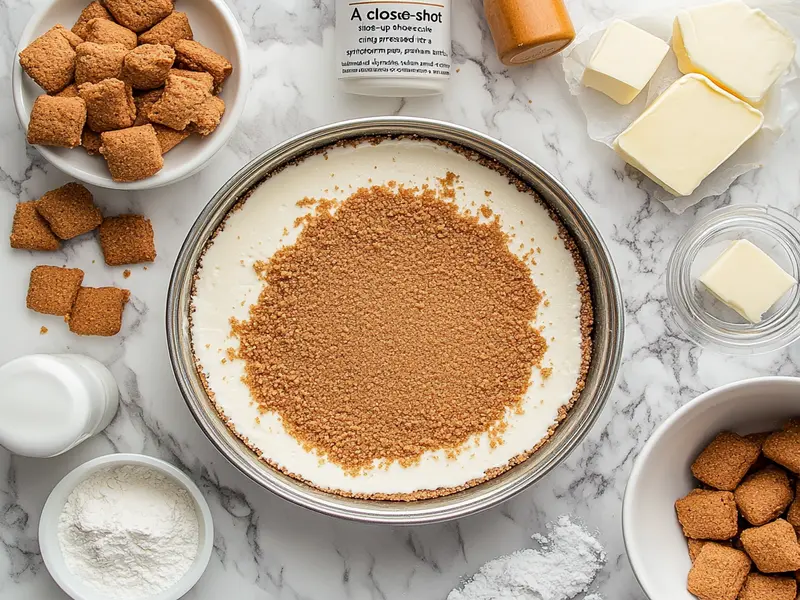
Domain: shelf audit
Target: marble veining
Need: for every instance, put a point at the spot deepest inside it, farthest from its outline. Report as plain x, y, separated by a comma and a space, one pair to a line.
265, 548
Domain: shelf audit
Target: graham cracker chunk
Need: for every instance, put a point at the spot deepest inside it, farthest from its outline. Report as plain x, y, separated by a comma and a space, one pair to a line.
783, 447
109, 105
98, 311
69, 210
147, 66
96, 62
766, 587
138, 15
132, 154
209, 115
169, 138
173, 28
793, 515
180, 102
725, 462
52, 290
95, 10
71, 91
49, 60
205, 78
708, 515
57, 121
773, 547
196, 57
103, 31
764, 495
127, 239
30, 231
718, 573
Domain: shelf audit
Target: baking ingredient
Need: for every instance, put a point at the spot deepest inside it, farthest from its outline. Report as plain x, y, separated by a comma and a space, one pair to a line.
687, 133
745, 278
528, 30
396, 49
129, 532
565, 566
624, 62
742, 50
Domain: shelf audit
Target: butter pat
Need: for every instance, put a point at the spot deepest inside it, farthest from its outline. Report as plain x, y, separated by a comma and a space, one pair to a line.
624, 62
689, 131
740, 49
745, 278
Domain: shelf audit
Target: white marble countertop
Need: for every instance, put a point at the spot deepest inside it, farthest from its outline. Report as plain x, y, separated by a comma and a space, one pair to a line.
264, 547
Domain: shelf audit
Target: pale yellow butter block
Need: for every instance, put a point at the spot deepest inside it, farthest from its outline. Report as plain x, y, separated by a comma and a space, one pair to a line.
624, 62
745, 278
689, 131
740, 49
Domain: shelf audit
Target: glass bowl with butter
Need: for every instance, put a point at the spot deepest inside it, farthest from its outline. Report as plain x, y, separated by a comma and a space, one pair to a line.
732, 280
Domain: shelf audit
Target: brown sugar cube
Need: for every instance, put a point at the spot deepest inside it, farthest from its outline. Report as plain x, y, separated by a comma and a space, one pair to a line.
783, 447
147, 67
30, 231
180, 102
132, 154
194, 56
96, 62
91, 141
103, 31
725, 461
98, 311
69, 210
127, 240
708, 515
764, 495
109, 105
169, 138
208, 116
49, 60
57, 121
71, 91
144, 102
52, 290
766, 587
95, 10
773, 547
138, 15
173, 28
718, 573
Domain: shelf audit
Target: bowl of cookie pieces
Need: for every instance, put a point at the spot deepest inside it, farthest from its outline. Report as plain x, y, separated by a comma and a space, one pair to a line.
130, 94
712, 506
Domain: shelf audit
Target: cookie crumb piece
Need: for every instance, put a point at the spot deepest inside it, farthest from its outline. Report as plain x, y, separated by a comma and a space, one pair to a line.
783, 447
30, 231
766, 587
773, 547
98, 311
127, 239
96, 62
126, 273
208, 117
43, 330
708, 515
132, 154
95, 10
104, 31
69, 210
138, 15
147, 67
57, 121
764, 495
52, 290
49, 60
196, 57
168, 31
725, 462
718, 573
180, 102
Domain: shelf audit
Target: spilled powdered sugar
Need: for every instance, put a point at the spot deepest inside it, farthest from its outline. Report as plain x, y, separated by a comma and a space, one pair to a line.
564, 567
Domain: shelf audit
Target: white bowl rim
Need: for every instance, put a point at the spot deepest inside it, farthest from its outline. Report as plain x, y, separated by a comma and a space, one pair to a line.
81, 472
631, 547
216, 141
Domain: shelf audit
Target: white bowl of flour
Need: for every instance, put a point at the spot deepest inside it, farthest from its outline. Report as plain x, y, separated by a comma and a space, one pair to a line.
126, 527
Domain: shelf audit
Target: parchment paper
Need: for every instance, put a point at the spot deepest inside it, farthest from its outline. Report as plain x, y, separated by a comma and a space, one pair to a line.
606, 119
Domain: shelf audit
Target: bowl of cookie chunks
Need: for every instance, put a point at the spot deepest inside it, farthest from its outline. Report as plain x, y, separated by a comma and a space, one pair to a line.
130, 94
712, 506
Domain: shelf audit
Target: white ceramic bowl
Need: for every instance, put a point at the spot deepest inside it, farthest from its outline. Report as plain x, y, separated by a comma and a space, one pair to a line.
48, 526
661, 475
214, 25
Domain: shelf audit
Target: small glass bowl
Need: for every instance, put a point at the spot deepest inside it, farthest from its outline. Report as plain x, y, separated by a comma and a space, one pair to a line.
706, 320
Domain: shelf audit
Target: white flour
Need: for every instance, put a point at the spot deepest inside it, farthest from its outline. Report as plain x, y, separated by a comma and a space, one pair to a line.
564, 567
129, 532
